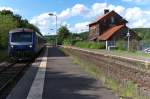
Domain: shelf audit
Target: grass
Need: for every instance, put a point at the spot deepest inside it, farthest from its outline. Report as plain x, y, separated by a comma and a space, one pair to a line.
129, 90
90, 45
112, 84
136, 54
3, 54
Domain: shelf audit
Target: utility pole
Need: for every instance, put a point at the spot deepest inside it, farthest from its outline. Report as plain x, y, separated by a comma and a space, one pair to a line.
51, 14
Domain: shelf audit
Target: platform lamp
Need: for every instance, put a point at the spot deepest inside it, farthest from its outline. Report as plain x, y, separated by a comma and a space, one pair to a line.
51, 14
128, 35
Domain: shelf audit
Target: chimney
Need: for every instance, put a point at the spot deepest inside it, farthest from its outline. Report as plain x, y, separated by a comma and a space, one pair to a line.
106, 11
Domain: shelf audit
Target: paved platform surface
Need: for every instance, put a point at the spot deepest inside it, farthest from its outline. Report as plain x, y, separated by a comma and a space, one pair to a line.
62, 80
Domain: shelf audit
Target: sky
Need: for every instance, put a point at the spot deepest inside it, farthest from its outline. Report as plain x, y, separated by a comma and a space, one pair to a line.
77, 14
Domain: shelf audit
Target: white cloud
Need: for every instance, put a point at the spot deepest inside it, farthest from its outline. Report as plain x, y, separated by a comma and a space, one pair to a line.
79, 27
137, 17
137, 1
119, 9
8, 8
133, 14
43, 22
65, 14
76, 10
97, 9
79, 9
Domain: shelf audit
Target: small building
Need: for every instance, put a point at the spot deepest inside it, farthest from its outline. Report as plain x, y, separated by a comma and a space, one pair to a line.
109, 28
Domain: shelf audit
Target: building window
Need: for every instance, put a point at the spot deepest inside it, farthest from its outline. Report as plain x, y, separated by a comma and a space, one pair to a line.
112, 20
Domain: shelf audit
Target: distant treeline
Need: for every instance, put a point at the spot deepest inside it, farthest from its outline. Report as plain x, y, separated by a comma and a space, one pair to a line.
143, 33
8, 21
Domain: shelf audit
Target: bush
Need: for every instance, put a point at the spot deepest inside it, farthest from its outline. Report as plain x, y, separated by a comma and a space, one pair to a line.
133, 45
67, 42
92, 45
121, 45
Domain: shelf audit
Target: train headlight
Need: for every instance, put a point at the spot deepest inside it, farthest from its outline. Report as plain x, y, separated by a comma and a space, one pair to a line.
12, 46
30, 46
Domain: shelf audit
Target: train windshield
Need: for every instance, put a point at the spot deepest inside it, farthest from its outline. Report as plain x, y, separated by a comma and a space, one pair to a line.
21, 37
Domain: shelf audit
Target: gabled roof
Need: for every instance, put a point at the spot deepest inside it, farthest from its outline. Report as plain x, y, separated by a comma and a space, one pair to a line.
105, 16
110, 32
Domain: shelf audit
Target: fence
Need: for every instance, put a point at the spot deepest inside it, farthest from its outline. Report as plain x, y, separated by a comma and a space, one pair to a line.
133, 45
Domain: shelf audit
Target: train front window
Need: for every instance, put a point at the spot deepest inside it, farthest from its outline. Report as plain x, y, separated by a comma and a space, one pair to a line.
21, 37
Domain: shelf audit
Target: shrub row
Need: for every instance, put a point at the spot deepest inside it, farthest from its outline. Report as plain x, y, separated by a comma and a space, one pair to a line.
91, 45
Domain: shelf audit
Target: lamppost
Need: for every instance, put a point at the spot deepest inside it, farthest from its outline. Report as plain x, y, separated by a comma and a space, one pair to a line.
51, 14
128, 35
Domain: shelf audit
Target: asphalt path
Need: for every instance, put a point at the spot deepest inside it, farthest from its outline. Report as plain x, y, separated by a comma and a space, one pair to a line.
66, 80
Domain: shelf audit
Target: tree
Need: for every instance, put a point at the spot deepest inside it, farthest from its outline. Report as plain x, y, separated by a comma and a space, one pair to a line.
63, 33
6, 12
143, 33
7, 23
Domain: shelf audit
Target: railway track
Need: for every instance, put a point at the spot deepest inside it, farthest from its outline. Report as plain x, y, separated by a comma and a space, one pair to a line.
10, 72
5, 66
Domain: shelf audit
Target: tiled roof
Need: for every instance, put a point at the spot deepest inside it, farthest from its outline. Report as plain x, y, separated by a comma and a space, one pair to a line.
110, 32
105, 16
102, 17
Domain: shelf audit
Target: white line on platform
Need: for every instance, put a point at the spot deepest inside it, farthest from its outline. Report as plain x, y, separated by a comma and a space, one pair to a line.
36, 89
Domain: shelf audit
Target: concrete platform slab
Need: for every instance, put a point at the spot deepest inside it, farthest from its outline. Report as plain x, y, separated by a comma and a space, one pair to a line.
66, 80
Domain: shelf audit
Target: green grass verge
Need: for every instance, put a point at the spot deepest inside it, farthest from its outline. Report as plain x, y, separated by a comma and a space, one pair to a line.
127, 91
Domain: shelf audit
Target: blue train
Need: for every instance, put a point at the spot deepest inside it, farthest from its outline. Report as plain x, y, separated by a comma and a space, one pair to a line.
24, 43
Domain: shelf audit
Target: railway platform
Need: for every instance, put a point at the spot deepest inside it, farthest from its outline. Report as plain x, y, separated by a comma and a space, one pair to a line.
55, 76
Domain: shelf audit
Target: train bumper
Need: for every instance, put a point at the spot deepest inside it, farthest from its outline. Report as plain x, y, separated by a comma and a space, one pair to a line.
22, 54
21, 51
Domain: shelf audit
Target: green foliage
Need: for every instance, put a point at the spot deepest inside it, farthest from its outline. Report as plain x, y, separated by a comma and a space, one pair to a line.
120, 45
111, 83
51, 39
92, 45
6, 23
67, 42
84, 35
80, 36
9, 21
144, 33
129, 90
63, 33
